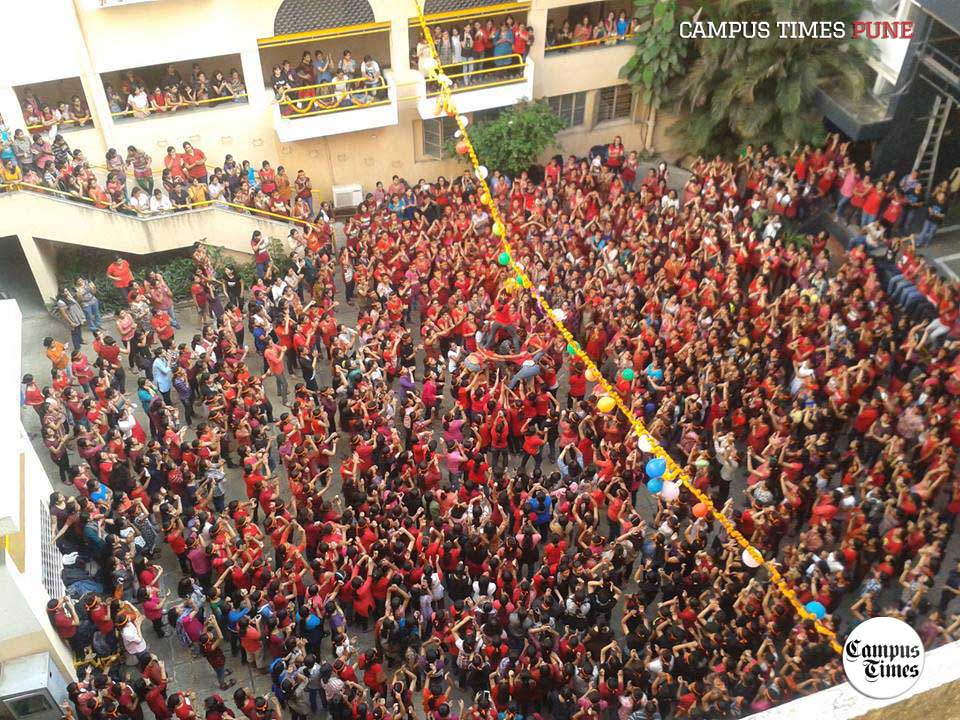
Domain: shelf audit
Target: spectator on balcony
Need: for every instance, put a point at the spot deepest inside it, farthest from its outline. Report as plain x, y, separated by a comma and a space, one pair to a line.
237, 87
622, 26
347, 64
171, 76
303, 187
116, 165
159, 203
322, 67
197, 193
371, 73
281, 86
21, 150
178, 196
220, 86
305, 79
138, 102
467, 51
42, 151
173, 164
583, 32
424, 56
199, 91
139, 162
445, 48
174, 99
936, 212
114, 100
80, 112
564, 34
503, 45
194, 162
522, 40
217, 187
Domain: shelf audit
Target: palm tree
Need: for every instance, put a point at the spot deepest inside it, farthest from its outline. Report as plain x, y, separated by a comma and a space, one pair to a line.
763, 90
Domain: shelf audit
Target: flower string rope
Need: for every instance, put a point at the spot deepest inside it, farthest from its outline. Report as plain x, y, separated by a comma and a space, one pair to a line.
674, 471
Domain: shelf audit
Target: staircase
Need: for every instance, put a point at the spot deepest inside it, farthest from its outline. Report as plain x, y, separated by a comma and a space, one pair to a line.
48, 224
929, 150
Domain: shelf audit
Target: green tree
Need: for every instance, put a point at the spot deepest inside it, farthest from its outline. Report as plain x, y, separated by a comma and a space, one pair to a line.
762, 90
517, 137
661, 51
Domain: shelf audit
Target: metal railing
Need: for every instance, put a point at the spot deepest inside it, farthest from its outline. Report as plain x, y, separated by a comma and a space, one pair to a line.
184, 104
327, 102
42, 126
515, 69
111, 206
608, 41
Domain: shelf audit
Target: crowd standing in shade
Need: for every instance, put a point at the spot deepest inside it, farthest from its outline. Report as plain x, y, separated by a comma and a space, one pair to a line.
387, 484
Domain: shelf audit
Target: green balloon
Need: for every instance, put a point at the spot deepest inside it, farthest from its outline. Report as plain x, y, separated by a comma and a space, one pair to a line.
571, 349
520, 280
504, 258
629, 374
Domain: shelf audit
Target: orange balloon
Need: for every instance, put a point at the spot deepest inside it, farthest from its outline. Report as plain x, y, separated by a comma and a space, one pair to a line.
591, 375
700, 510
461, 148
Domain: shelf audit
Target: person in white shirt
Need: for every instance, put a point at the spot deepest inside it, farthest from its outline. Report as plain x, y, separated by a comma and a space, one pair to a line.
139, 102
159, 202
139, 201
133, 641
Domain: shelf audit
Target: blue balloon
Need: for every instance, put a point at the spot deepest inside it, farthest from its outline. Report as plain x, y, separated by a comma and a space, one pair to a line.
655, 485
656, 467
816, 609
649, 408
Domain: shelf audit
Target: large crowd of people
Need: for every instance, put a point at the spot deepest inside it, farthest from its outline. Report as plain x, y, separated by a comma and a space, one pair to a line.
421, 510
128, 184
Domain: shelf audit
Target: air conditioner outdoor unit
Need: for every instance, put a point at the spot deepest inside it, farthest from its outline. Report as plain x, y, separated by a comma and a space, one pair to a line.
347, 196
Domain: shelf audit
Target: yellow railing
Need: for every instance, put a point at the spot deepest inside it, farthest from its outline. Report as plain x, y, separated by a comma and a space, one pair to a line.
519, 65
19, 185
608, 41
331, 102
61, 122
183, 105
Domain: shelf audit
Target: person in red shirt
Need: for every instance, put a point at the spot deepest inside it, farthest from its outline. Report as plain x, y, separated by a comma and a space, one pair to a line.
194, 162
119, 272
163, 327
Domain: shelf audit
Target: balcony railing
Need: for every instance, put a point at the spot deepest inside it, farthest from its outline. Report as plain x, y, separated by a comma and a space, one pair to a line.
320, 110
302, 102
609, 41
480, 88
184, 105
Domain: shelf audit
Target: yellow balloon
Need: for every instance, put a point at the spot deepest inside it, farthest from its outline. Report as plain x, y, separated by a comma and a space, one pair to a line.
606, 404
510, 284
591, 375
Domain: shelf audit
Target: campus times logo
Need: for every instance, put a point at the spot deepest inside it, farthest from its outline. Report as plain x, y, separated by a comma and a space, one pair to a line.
883, 658
795, 30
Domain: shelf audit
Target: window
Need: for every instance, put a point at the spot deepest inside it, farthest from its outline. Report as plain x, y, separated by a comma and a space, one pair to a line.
51, 563
436, 134
569, 107
614, 103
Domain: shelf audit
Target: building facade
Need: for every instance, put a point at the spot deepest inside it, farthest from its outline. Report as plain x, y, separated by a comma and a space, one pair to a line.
93, 48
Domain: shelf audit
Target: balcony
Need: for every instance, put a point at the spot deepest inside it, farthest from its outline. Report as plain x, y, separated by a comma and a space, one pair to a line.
866, 118
332, 111
483, 87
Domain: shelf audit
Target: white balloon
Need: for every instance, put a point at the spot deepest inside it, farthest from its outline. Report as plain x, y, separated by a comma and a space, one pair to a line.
559, 314
644, 444
428, 64
444, 80
748, 559
482, 172
463, 120
670, 491
457, 134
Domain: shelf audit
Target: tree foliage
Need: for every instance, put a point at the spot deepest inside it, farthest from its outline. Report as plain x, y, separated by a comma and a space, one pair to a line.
514, 139
661, 52
761, 90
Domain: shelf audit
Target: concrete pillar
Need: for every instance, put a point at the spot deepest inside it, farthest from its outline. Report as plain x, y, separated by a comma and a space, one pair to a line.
10, 110
537, 18
252, 69
93, 86
42, 259
400, 47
